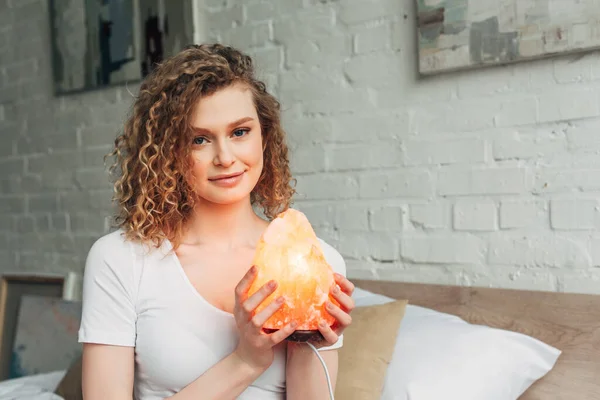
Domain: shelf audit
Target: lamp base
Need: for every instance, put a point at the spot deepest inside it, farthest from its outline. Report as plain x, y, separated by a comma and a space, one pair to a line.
301, 336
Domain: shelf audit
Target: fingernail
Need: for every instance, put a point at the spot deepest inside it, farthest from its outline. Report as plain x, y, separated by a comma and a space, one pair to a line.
322, 324
280, 300
329, 305
253, 269
294, 324
336, 289
272, 284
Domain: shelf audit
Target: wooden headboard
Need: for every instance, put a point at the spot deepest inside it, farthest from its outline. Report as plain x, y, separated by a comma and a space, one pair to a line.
569, 322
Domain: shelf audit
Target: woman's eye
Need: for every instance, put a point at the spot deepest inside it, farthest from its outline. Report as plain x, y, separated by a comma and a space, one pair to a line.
240, 132
199, 140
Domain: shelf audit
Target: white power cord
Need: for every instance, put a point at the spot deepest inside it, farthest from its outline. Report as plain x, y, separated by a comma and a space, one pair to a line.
325, 368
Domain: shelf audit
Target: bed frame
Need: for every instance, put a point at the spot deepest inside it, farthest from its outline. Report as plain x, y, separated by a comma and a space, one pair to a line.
569, 322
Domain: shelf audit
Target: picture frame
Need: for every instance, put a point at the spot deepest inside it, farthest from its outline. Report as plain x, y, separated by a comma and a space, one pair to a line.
46, 336
101, 44
455, 35
12, 288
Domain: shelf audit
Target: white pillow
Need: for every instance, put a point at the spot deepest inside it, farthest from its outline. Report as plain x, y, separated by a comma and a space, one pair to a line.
441, 356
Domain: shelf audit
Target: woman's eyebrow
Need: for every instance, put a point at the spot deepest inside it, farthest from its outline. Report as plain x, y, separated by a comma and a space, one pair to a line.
229, 126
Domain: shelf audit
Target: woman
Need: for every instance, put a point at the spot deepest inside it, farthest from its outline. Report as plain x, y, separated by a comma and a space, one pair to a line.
165, 307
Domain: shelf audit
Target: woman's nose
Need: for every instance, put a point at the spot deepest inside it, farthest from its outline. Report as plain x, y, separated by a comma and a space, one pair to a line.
224, 155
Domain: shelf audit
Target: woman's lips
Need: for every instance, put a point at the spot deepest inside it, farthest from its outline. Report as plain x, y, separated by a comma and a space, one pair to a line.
228, 180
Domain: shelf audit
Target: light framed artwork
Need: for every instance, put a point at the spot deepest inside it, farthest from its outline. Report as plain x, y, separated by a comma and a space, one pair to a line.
12, 288
46, 336
102, 43
462, 34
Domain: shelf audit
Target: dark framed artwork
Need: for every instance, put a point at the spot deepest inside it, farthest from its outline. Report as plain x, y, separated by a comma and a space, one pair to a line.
102, 43
12, 289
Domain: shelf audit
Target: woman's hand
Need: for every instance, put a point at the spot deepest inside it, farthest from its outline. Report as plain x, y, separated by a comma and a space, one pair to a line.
255, 347
341, 291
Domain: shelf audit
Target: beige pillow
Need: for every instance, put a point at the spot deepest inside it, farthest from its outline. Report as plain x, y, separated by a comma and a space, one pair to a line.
368, 348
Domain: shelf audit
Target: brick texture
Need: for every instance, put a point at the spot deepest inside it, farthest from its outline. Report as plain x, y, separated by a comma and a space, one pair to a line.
487, 177
53, 201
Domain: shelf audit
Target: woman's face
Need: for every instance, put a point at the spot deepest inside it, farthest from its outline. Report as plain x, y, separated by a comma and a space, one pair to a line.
227, 153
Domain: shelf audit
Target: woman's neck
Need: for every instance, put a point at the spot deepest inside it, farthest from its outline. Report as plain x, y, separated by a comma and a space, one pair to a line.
227, 226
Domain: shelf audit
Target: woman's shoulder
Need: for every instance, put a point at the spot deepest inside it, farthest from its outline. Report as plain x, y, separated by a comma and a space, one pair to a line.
114, 245
116, 249
333, 257
114, 257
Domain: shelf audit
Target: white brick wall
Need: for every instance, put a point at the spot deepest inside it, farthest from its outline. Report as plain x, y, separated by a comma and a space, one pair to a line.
54, 193
475, 215
484, 177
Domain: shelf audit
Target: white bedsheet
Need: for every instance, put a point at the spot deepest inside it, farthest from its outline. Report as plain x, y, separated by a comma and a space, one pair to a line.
35, 387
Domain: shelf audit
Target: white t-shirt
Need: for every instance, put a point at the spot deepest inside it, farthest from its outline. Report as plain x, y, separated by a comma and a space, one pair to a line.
135, 295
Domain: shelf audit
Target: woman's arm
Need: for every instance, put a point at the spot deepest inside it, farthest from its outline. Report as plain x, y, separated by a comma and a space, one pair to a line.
232, 374
108, 373
305, 377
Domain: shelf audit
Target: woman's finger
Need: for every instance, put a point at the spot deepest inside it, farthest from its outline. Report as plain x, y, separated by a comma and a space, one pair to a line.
241, 289
346, 286
281, 334
261, 317
261, 294
343, 318
346, 302
330, 336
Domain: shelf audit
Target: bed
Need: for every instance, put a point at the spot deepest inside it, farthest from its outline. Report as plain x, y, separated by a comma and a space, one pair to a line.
569, 322
38, 387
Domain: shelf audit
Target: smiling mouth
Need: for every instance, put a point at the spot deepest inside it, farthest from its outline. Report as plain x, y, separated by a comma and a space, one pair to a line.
223, 177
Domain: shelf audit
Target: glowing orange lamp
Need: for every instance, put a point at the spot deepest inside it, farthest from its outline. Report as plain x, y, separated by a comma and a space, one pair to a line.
290, 253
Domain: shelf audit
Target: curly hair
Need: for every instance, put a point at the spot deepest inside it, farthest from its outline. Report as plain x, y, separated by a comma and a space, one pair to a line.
152, 155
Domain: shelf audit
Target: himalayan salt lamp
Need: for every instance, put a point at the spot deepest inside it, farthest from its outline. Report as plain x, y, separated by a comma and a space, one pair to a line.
290, 253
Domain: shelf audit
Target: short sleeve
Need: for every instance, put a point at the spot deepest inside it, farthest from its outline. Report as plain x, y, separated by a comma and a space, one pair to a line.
335, 259
108, 303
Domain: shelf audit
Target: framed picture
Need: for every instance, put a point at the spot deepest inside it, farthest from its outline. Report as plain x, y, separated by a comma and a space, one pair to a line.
463, 34
102, 43
12, 288
46, 336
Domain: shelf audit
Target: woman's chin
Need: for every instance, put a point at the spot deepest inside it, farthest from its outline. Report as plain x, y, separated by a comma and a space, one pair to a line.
230, 198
